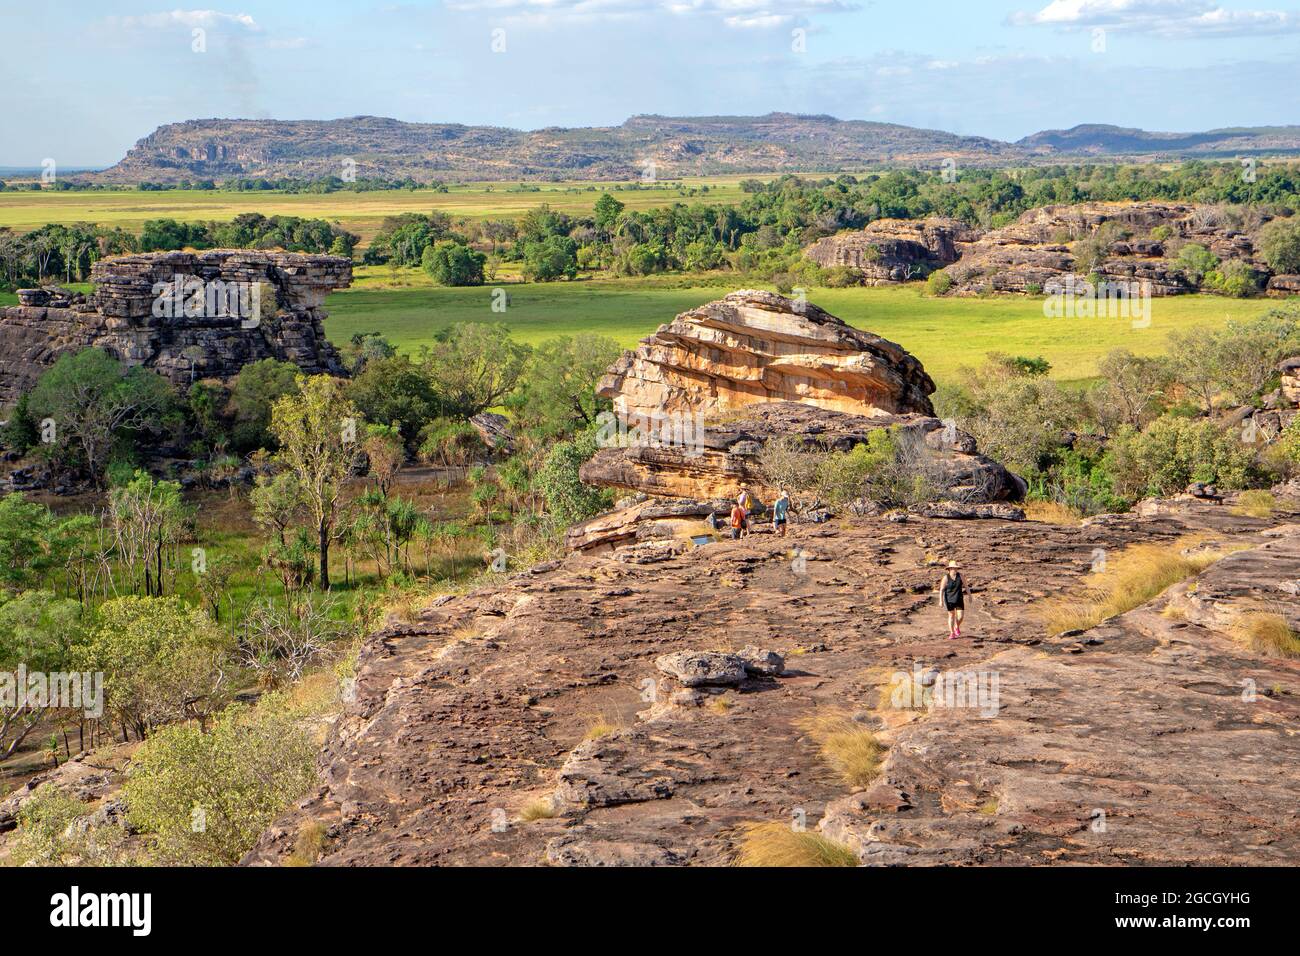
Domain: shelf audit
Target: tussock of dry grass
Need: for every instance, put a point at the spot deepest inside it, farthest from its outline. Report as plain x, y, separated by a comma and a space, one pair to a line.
1268, 634
849, 748
1052, 512
1255, 504
599, 728
308, 846
720, 705
539, 809
775, 844
1132, 577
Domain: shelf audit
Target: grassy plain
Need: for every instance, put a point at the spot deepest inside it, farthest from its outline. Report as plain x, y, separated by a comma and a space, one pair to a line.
361, 213
944, 333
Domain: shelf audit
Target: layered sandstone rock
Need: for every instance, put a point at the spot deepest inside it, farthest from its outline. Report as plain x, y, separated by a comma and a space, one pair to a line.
188, 338
895, 250
752, 347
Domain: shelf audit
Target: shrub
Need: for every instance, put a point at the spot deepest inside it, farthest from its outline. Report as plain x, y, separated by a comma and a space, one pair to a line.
449, 442
567, 498
48, 834
161, 657
1195, 262
206, 797
938, 283
1256, 504
1279, 245
841, 277
1171, 453
1235, 279
889, 468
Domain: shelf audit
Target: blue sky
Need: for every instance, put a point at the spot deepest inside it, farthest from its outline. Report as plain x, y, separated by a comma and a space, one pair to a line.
81, 81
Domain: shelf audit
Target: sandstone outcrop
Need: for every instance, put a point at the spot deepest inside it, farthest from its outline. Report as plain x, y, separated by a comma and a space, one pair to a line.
1290, 387
1038, 249
1133, 743
895, 250
752, 347
187, 337
704, 478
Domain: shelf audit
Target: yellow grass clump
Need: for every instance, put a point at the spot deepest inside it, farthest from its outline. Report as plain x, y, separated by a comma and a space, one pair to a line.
1268, 634
539, 809
848, 748
1255, 504
775, 844
1131, 577
599, 728
1052, 512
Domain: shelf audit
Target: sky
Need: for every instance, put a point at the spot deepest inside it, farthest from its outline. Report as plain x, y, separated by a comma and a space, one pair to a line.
82, 80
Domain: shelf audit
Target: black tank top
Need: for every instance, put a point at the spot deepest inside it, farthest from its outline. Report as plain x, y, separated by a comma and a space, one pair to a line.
952, 588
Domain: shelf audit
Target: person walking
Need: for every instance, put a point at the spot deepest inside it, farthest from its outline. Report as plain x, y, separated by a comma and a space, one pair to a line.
737, 521
780, 513
952, 591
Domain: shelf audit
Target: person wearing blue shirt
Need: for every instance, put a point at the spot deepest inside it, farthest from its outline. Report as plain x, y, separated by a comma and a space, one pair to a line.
780, 512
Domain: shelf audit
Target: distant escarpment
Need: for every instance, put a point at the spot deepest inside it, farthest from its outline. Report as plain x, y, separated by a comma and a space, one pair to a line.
669, 146
186, 315
1112, 241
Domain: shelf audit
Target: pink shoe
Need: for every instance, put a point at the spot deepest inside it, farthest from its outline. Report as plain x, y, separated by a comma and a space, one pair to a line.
957, 633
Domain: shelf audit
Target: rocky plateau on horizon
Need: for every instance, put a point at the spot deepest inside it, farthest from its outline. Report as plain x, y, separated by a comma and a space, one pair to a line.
672, 147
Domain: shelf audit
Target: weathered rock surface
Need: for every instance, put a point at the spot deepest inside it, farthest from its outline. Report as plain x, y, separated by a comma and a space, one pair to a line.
120, 317
1290, 387
698, 668
95, 778
1130, 744
752, 347
895, 250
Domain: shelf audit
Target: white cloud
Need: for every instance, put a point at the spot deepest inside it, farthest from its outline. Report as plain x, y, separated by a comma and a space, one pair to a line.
187, 18
1166, 18
735, 14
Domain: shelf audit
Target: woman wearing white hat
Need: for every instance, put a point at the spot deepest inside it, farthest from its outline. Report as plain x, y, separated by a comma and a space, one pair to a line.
952, 591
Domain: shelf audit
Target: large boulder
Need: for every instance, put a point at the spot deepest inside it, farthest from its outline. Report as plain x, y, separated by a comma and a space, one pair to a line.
753, 347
